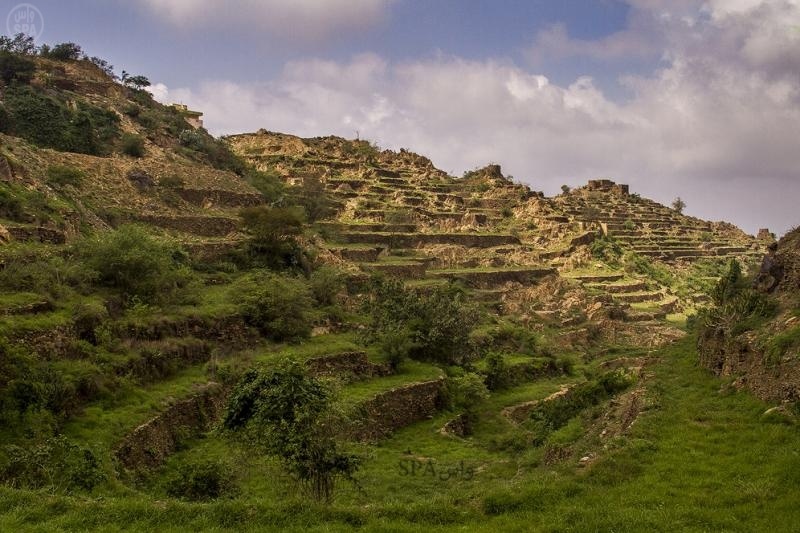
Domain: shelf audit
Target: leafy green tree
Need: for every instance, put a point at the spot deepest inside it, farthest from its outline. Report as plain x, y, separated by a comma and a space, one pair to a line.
62, 52
440, 322
273, 235
18, 44
289, 415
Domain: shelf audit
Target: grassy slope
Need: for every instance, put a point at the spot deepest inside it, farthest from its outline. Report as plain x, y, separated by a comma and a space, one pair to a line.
705, 460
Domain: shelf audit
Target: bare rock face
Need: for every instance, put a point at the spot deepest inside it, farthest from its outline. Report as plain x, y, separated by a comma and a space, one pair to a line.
780, 268
5, 236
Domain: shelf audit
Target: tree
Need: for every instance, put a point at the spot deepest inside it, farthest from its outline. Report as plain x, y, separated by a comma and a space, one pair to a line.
678, 204
438, 323
62, 52
289, 415
565, 189
273, 235
19, 44
135, 82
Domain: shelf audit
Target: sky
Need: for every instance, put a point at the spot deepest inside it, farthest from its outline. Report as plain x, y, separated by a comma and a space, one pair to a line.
692, 98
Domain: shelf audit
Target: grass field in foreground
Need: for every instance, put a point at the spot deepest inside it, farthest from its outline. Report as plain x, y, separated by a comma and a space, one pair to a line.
703, 459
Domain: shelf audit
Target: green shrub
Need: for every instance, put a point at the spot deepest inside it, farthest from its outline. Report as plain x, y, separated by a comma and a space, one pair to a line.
136, 263
133, 145
279, 306
200, 481
62, 52
440, 321
397, 345
268, 183
57, 464
606, 249
637, 264
273, 235
64, 175
326, 284
47, 121
465, 393
497, 372
629, 225
14, 67
289, 415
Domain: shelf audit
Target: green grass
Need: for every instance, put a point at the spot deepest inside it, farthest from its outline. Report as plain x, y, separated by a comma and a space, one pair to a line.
701, 459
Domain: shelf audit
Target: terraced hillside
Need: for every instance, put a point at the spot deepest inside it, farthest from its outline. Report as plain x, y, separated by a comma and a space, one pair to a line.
478, 342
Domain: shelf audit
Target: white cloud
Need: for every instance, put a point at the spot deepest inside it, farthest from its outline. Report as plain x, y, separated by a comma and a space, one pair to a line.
719, 125
308, 19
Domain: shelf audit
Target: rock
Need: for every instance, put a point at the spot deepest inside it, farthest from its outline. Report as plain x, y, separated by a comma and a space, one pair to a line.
140, 179
5, 236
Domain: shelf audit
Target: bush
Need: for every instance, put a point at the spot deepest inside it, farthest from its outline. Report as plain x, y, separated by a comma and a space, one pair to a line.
397, 345
136, 263
606, 249
552, 415
201, 480
48, 122
268, 183
440, 322
288, 413
15, 67
64, 175
57, 464
465, 393
279, 306
497, 373
133, 145
326, 284
273, 235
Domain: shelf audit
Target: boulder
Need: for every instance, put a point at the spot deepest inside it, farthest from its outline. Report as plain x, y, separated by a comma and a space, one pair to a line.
5, 236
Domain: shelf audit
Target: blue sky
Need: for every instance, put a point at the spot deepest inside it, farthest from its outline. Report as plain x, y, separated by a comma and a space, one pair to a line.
697, 98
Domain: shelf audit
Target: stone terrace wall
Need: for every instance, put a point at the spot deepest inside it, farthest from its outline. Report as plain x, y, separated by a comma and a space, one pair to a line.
151, 443
397, 408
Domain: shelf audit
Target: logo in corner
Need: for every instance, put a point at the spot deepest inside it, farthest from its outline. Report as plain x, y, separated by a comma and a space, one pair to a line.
27, 19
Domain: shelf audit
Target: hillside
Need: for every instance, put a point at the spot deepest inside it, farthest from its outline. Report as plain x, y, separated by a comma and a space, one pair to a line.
752, 334
481, 355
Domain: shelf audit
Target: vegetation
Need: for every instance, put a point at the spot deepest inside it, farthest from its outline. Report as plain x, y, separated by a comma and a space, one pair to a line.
438, 324
287, 413
273, 235
135, 263
133, 145
61, 175
279, 306
678, 204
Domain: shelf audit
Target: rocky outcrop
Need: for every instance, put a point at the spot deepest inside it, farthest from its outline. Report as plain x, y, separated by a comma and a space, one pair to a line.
5, 236
397, 408
770, 372
151, 443
741, 357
